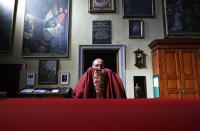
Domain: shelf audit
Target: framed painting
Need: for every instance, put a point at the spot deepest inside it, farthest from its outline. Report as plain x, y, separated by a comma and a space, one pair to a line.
64, 77
138, 8
136, 29
101, 6
48, 71
181, 18
46, 28
7, 9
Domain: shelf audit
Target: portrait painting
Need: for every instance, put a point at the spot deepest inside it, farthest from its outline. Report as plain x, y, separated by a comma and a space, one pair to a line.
7, 8
48, 71
138, 8
46, 28
136, 29
181, 18
101, 6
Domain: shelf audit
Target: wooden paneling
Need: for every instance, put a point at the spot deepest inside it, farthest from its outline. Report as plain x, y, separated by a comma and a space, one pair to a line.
155, 64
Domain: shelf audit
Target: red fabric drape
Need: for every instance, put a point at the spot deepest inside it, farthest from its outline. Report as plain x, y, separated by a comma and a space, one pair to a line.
113, 85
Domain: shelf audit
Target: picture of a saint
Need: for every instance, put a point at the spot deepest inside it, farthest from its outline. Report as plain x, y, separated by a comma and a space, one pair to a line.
136, 29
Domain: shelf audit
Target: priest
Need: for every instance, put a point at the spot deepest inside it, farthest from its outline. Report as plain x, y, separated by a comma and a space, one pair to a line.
99, 82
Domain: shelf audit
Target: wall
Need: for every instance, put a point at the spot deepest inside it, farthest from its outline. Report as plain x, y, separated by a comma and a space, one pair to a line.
81, 33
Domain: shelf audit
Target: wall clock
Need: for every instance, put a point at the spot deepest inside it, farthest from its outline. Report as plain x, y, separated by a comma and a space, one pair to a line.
140, 60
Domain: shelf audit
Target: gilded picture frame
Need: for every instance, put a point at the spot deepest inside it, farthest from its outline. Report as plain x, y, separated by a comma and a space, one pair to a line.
101, 6
181, 18
46, 28
48, 71
7, 15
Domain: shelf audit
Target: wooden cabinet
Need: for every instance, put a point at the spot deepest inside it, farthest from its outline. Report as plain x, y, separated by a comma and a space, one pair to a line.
177, 63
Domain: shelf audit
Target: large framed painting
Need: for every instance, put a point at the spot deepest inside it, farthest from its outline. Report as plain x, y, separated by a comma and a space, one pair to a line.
46, 28
101, 6
138, 8
7, 9
48, 71
181, 18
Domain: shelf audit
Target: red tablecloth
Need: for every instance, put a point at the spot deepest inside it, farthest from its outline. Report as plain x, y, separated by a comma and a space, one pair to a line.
32, 114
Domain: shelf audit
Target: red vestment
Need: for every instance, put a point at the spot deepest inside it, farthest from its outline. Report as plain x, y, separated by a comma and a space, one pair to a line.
113, 86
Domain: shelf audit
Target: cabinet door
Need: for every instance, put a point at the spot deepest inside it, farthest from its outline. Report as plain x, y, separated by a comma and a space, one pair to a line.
171, 74
189, 73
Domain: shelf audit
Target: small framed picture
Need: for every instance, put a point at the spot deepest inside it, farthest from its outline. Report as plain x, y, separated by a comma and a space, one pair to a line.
101, 6
138, 8
30, 79
48, 71
64, 77
136, 29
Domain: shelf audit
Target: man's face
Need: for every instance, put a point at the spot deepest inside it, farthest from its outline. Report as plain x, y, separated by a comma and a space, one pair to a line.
98, 64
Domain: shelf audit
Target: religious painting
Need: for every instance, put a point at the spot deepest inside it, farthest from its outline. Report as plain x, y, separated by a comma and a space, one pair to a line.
48, 71
138, 8
101, 6
7, 8
181, 18
136, 29
46, 28
64, 78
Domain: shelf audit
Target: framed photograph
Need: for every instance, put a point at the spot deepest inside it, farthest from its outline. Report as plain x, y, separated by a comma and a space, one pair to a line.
46, 28
101, 6
30, 79
181, 18
7, 9
136, 29
64, 77
138, 8
48, 71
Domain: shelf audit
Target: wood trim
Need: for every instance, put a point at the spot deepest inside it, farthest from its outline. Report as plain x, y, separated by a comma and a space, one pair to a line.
177, 44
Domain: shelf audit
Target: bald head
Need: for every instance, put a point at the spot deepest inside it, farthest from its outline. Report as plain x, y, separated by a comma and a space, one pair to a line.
98, 63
